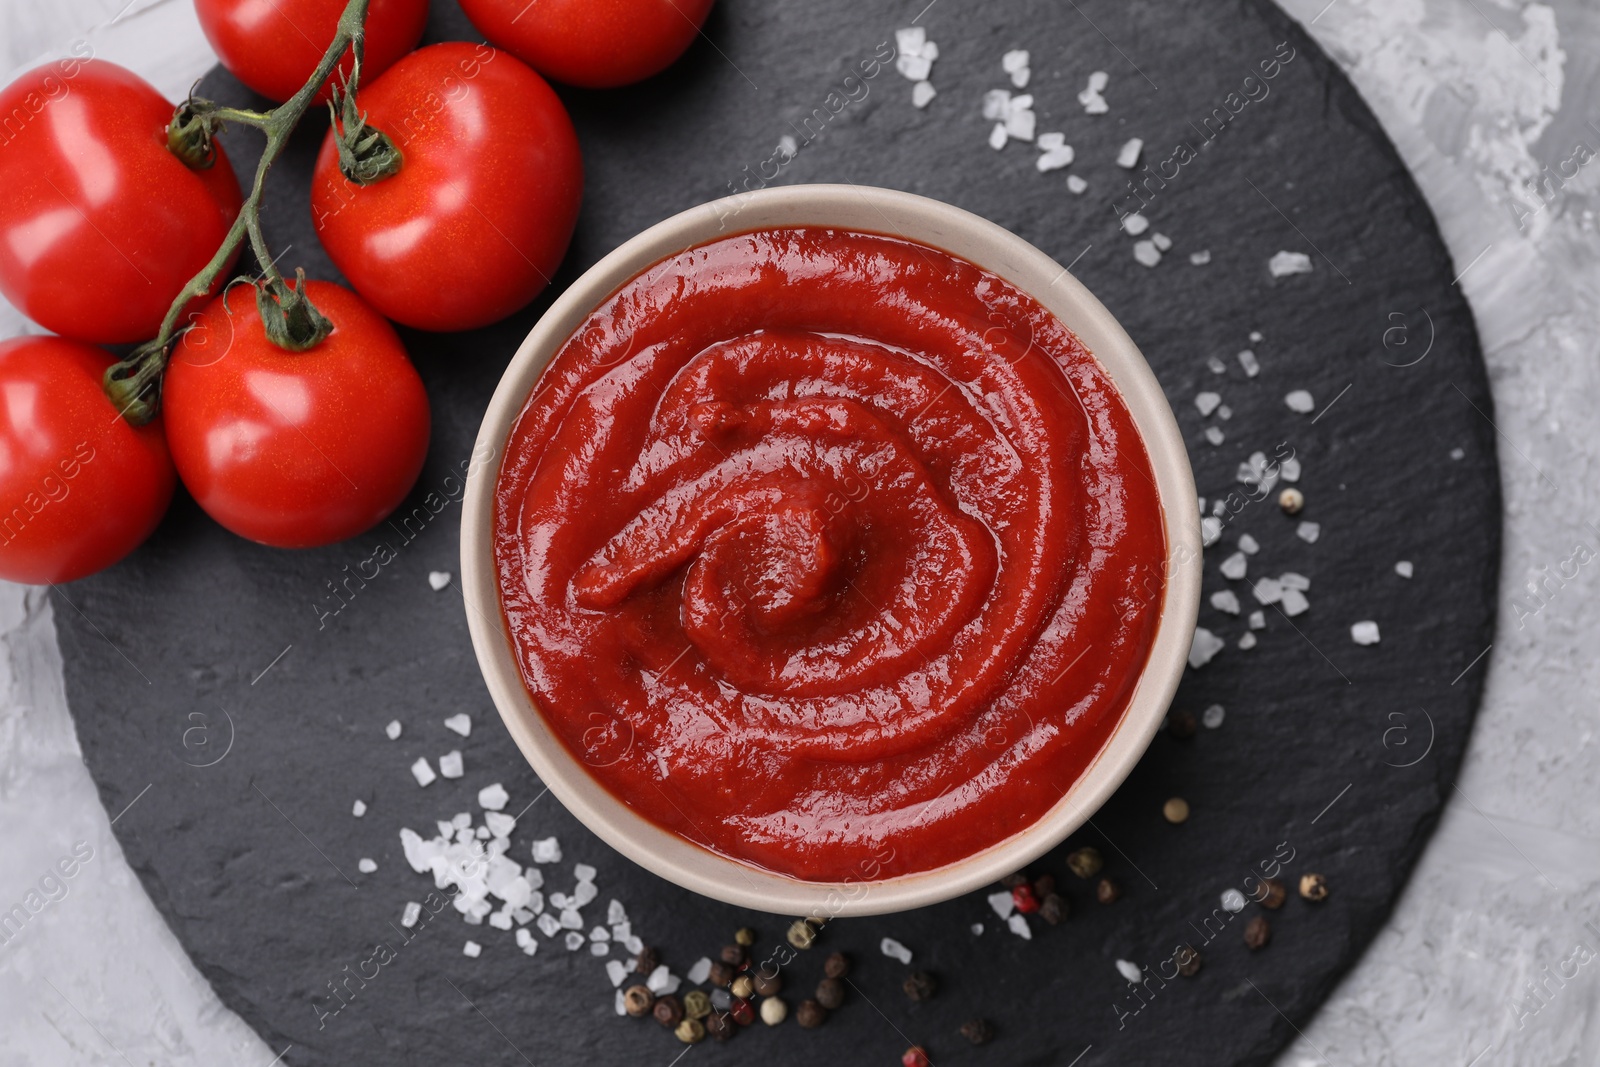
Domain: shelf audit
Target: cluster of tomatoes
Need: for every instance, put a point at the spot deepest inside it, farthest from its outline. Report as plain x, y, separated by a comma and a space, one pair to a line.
103, 223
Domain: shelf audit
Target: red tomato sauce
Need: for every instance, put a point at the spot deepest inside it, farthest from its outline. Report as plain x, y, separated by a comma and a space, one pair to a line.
829, 552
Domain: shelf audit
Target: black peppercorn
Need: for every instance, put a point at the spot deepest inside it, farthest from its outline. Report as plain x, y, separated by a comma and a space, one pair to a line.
1107, 891
1053, 909
668, 1011
810, 1014
767, 983
920, 985
732, 955
978, 1031
1188, 961
720, 1025
638, 1000
1182, 725
1085, 862
721, 974
837, 965
1257, 932
1272, 894
830, 992
646, 961
1044, 885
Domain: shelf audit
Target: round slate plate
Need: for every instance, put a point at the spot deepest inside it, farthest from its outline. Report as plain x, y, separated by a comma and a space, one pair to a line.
236, 696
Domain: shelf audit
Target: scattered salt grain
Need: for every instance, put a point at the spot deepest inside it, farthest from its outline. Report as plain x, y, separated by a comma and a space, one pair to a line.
1076, 185
437, 580
412, 912
574, 941
700, 971
1235, 566
422, 772
1135, 223
461, 724
1404, 568
1458, 453
1146, 253
548, 924
662, 981
584, 894
393, 730
547, 850
1161, 241
1129, 970
977, 929
1204, 647
1224, 412
1249, 364
1258, 620
1232, 900
493, 797
913, 67
500, 920
1256, 337
499, 824
1019, 926
1207, 402
894, 950
366, 866
583, 872
620, 1004
1200, 258
1300, 401
1364, 633
1015, 63
1210, 531
1226, 600
473, 949
1247, 641
1216, 366
1215, 435
1293, 580
1212, 717
997, 136
1257, 472
359, 808
1290, 469
616, 970
570, 919
599, 948
922, 94
1093, 103
1309, 532
461, 820
616, 913
1295, 602
721, 1000
1286, 263
1053, 158
910, 40
1249, 545
1267, 591
1128, 156
451, 764
1002, 902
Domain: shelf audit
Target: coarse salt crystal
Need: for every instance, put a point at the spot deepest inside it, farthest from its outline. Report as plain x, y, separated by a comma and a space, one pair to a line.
1267, 591
1364, 633
393, 729
422, 772
996, 104
1294, 602
910, 40
583, 872
1206, 402
1019, 926
1015, 60
1049, 142
1300, 401
1200, 258
1020, 124
616, 970
412, 912
1146, 253
1161, 241
571, 919
1224, 412
499, 823
894, 950
721, 1000
1457, 453
1210, 531
1249, 545
1249, 364
616, 913
1309, 532
922, 94
437, 580
548, 924
1135, 223
1256, 337
1235, 565
1247, 641
1290, 469
359, 808
451, 765
1293, 580
1002, 902
1212, 717
1258, 620
1216, 366
1286, 263
500, 920
1226, 600
1076, 185
574, 941
1055, 159
461, 724
913, 68
1232, 900
366, 866
1128, 157
461, 820
1215, 435
547, 850
977, 929
525, 936
1129, 970
997, 136
599, 948
1404, 568
661, 981
584, 894
1204, 647
493, 797
473, 949
700, 971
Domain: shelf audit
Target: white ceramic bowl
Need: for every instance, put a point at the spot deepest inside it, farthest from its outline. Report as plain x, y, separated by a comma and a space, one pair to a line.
972, 238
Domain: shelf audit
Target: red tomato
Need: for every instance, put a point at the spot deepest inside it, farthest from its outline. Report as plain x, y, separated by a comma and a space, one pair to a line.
274, 45
596, 44
101, 225
480, 213
295, 449
83, 486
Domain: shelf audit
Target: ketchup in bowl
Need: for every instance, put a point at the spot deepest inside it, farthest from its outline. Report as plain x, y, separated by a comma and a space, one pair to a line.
829, 551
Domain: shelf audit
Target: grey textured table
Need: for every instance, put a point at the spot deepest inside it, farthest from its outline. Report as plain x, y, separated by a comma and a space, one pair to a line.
1479, 99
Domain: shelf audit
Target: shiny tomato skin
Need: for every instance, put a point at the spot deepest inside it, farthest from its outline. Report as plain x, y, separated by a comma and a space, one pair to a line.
479, 216
274, 45
101, 225
593, 44
83, 488
295, 449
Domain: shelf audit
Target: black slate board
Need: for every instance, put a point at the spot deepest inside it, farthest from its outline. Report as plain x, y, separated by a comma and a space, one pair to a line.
203, 668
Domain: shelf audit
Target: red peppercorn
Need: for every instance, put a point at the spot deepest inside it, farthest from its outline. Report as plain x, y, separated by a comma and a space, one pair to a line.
1024, 898
914, 1057
743, 1012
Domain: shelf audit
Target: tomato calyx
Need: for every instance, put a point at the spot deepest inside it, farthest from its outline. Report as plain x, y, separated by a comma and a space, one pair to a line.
366, 154
290, 319
191, 135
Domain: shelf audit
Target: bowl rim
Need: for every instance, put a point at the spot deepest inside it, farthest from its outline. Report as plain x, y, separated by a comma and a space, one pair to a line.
960, 233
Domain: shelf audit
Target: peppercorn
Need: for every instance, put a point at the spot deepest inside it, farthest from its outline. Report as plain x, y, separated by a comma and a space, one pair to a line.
696, 1005
1182, 725
837, 965
1176, 810
1044, 885
743, 987
1107, 891
767, 984
830, 992
1188, 961
646, 961
1053, 909
810, 1014
978, 1031
1313, 887
745, 936
1257, 932
920, 985
638, 1000
721, 974
743, 1012
691, 1031
1291, 500
732, 955
1272, 894
774, 1010
1011, 881
1022, 896
720, 1025
914, 1057
1085, 862
668, 1011
802, 934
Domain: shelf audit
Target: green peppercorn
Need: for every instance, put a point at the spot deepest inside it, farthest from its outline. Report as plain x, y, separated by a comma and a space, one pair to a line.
745, 936
830, 993
810, 1014
1085, 862
978, 1031
668, 1011
920, 985
696, 1004
691, 1031
638, 1000
837, 965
